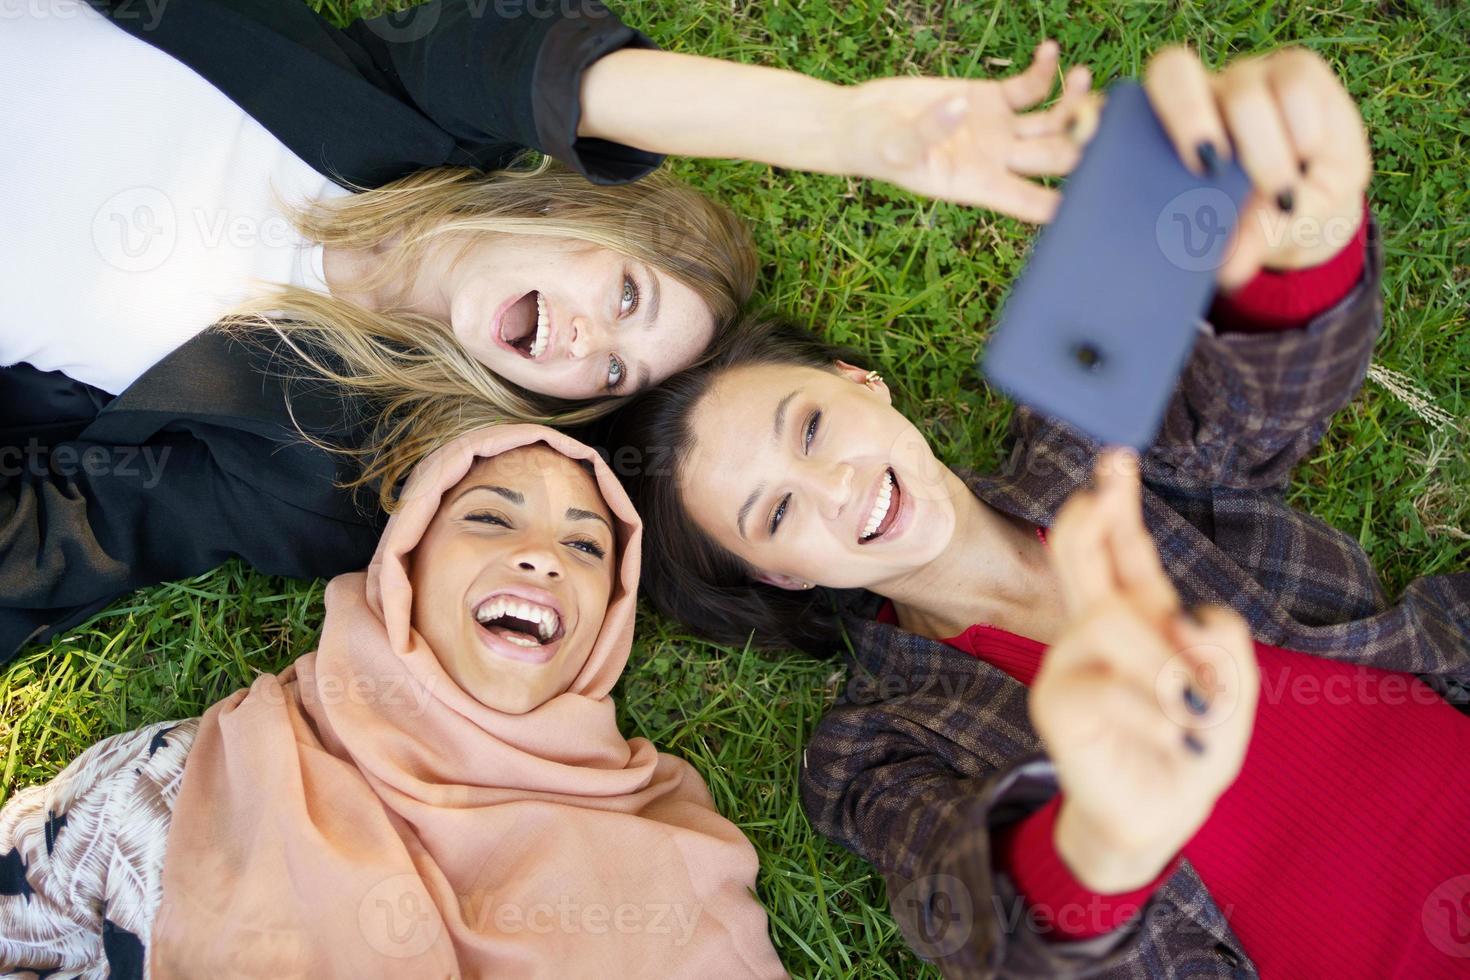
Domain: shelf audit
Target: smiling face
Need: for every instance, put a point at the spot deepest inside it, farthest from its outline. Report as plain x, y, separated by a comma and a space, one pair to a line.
811, 476
511, 581
565, 318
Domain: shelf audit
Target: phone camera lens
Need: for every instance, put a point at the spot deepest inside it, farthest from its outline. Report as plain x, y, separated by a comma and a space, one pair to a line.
1088, 356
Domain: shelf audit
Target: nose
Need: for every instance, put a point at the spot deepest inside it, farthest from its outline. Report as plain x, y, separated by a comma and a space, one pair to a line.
831, 487
537, 559
589, 337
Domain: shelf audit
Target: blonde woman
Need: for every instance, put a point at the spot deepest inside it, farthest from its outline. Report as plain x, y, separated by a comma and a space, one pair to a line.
343, 196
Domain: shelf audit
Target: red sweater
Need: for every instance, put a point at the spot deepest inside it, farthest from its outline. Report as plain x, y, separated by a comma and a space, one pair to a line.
1348, 821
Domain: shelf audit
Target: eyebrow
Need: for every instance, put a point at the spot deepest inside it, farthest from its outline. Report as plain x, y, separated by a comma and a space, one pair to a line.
514, 496
578, 514
653, 290
777, 425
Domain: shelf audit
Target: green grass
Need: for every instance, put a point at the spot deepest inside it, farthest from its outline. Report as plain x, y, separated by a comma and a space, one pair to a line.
917, 284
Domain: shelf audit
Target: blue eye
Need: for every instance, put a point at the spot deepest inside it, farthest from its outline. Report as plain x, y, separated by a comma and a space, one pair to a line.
630, 296
616, 372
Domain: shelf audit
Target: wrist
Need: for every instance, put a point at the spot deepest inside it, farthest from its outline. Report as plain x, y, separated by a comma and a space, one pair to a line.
1102, 861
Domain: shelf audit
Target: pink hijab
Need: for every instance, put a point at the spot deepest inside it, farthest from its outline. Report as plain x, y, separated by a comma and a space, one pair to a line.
360, 815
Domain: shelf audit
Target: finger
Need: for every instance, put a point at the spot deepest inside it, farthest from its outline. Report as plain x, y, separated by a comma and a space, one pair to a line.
1322, 122
1015, 196
1076, 94
1115, 638
1216, 645
1259, 219
1045, 155
1135, 557
1082, 566
1032, 85
1088, 706
1180, 91
1258, 132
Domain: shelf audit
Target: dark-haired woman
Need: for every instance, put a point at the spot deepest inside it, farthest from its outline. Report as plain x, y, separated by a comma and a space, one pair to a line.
802, 506
172, 165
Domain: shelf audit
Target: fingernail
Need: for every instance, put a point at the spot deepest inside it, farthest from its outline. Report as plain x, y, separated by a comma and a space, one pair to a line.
1285, 200
1301, 168
1192, 614
1209, 157
1192, 700
1193, 744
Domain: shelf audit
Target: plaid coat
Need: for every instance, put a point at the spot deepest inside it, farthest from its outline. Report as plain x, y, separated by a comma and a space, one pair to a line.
928, 747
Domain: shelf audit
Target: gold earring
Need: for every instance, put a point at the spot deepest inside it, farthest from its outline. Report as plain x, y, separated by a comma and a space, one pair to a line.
872, 378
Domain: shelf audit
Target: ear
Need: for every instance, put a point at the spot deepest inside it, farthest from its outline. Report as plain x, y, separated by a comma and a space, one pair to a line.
783, 581
860, 375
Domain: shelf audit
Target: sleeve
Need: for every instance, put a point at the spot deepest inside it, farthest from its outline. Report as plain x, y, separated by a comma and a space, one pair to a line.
83, 522
492, 71
1062, 906
881, 780
1250, 405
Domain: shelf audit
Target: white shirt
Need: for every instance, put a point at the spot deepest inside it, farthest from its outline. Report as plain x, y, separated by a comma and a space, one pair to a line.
137, 203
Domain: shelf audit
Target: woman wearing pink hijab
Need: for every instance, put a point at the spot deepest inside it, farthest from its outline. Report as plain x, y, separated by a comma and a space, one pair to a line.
439, 790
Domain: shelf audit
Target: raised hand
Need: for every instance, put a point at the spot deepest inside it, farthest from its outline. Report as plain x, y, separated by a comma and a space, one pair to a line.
973, 142
1297, 133
1146, 710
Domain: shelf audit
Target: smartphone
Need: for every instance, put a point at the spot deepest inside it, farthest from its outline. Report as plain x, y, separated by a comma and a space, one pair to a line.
1097, 327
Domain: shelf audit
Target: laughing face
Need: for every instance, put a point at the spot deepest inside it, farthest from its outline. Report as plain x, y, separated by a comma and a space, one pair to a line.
512, 578
569, 319
811, 476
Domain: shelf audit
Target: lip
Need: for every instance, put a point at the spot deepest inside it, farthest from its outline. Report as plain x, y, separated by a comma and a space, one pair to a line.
499, 341
510, 651
900, 519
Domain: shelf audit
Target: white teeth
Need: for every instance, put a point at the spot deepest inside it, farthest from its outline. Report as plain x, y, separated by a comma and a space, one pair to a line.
880, 508
546, 620
538, 346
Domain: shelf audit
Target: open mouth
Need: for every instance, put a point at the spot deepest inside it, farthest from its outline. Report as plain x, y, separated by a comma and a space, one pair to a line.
525, 326
885, 509
519, 622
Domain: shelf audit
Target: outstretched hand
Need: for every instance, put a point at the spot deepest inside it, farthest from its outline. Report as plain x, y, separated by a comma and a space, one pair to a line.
1146, 710
968, 141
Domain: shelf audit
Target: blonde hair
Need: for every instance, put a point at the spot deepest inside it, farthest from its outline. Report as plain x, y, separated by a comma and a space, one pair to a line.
420, 387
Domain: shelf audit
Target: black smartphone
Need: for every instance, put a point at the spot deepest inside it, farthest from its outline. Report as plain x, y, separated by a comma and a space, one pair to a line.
1098, 325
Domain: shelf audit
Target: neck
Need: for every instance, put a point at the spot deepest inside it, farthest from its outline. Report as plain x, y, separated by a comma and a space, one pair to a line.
994, 570
353, 274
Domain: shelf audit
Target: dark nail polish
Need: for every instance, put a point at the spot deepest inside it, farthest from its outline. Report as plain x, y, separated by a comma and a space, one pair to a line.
1285, 200
1196, 704
1209, 157
1193, 744
1192, 614
1301, 168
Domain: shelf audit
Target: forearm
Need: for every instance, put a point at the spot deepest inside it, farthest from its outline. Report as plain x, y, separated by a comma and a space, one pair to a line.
704, 107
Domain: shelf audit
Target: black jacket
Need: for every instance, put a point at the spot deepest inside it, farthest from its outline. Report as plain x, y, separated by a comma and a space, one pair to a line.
198, 461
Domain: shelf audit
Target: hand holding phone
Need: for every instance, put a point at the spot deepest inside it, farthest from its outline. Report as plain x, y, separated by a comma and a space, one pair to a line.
1097, 327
